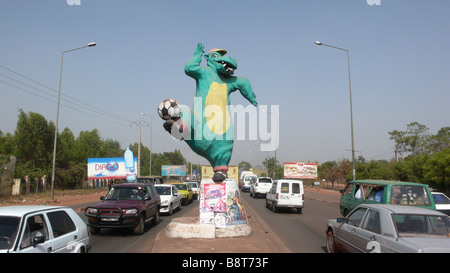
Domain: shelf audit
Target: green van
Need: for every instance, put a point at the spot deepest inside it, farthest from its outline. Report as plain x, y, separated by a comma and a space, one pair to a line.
385, 192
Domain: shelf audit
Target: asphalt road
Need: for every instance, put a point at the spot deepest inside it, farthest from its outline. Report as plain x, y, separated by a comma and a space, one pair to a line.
301, 233
124, 241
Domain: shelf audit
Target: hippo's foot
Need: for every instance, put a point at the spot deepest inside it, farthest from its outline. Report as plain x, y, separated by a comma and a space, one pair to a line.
219, 176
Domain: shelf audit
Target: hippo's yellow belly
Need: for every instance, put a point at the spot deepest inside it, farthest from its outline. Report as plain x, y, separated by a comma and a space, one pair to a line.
216, 108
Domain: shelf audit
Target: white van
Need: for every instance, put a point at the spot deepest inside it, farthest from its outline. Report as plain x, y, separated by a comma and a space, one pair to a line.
286, 194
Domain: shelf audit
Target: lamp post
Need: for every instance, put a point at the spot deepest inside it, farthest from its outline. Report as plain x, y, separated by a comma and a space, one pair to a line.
151, 138
57, 114
351, 110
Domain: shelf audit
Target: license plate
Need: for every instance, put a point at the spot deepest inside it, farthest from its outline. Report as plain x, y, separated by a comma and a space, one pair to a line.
110, 219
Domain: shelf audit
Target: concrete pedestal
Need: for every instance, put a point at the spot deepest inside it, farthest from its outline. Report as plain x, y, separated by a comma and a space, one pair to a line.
222, 214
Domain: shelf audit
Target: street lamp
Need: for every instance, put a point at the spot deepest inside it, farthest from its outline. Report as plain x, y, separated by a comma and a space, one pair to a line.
351, 110
151, 137
57, 114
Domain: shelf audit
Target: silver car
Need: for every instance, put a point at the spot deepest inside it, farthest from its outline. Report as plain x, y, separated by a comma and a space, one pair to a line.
42, 229
383, 228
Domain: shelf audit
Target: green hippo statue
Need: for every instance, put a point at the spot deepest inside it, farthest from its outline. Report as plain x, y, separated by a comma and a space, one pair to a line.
210, 133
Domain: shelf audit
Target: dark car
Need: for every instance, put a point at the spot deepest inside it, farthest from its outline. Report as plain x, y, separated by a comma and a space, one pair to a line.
127, 205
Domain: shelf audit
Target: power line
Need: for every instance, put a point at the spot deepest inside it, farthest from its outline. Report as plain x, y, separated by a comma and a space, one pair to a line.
87, 106
98, 113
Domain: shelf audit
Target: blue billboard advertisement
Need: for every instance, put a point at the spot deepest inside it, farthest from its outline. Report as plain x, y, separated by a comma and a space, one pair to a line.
173, 170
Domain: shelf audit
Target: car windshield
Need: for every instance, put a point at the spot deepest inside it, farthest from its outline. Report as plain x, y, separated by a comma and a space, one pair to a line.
8, 230
250, 178
125, 193
182, 187
411, 225
410, 195
163, 190
440, 198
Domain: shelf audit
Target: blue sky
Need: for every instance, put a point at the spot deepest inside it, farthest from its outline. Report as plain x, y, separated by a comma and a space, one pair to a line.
399, 55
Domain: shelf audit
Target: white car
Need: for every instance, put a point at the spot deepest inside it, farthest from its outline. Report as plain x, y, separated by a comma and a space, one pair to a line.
170, 198
246, 182
195, 186
442, 202
261, 186
42, 229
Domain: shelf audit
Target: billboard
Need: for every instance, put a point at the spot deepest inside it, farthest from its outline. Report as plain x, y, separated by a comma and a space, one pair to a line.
300, 170
109, 168
173, 170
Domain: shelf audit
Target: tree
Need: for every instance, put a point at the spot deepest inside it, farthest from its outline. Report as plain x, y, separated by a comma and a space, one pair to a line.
34, 139
7, 144
270, 163
244, 165
65, 148
414, 140
437, 169
440, 141
88, 145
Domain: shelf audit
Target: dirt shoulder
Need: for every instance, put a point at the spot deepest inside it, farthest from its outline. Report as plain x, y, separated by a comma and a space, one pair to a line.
60, 198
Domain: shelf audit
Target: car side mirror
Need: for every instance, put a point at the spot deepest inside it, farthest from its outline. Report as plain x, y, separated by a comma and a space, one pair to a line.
38, 240
102, 198
147, 198
341, 220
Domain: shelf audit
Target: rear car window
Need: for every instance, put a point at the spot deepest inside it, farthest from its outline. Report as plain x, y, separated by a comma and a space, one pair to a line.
284, 187
410, 195
61, 223
295, 188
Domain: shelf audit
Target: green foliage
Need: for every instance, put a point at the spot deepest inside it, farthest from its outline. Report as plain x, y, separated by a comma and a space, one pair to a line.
244, 165
34, 139
270, 163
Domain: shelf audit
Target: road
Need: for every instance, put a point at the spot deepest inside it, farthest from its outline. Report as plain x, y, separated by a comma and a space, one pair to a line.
124, 241
301, 233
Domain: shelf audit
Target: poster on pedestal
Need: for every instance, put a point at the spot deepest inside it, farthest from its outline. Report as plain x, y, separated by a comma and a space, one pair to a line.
220, 204
236, 214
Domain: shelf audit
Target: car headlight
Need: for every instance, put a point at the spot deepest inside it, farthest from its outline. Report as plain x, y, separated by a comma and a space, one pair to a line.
130, 211
165, 202
93, 211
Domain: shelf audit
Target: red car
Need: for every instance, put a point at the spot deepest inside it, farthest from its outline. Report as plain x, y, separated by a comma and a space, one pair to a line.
128, 205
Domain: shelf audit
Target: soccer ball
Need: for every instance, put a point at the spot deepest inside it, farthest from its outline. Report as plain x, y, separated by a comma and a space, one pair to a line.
169, 109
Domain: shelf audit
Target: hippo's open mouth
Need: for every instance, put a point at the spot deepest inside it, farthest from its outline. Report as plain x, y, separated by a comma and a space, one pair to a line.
229, 68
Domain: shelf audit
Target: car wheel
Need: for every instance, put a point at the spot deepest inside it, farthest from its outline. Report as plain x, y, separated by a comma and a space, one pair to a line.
299, 210
170, 209
139, 229
274, 208
155, 219
331, 245
267, 204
